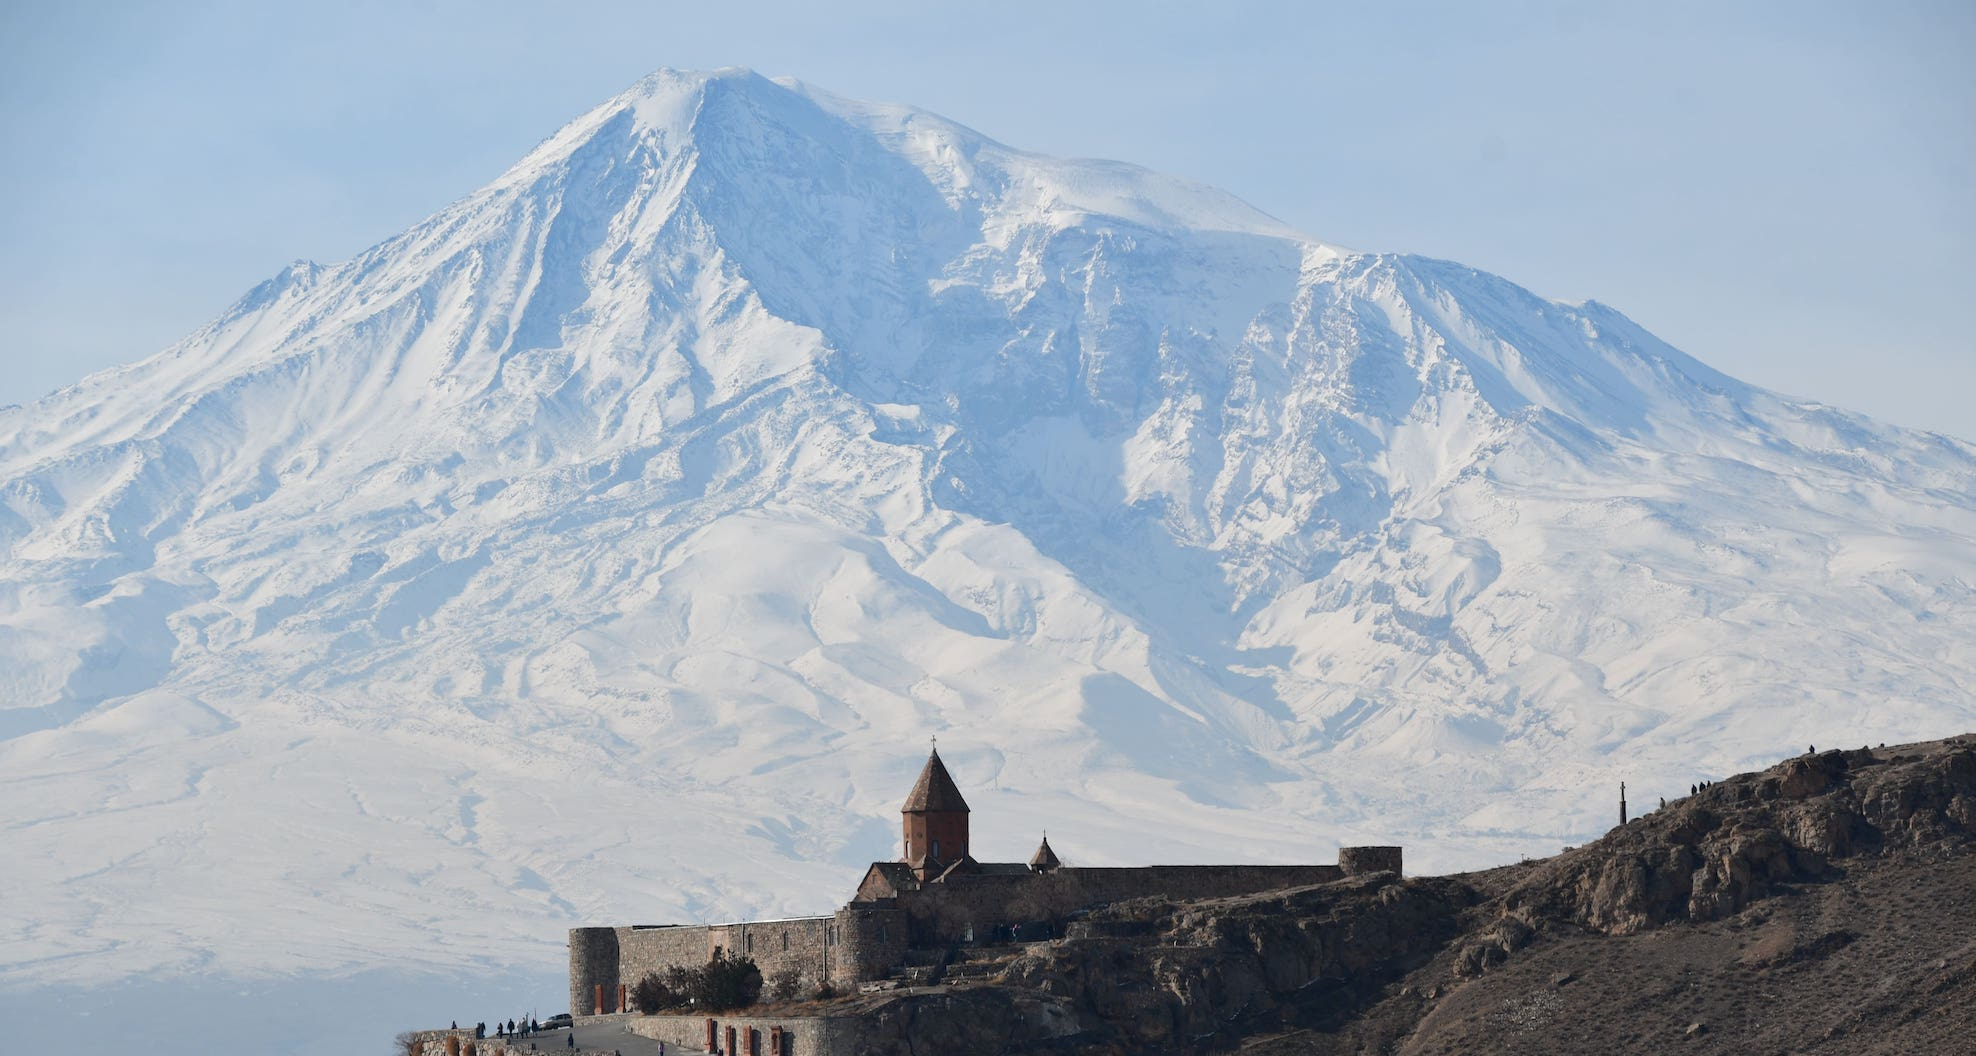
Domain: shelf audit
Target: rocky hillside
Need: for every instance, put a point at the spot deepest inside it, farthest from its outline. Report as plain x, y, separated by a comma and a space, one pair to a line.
1827, 904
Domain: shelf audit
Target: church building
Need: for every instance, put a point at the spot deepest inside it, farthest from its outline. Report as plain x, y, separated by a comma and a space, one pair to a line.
934, 897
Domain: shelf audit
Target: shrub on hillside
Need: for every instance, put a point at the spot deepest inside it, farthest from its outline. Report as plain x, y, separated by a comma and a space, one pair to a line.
786, 986
723, 983
729, 982
651, 994
683, 982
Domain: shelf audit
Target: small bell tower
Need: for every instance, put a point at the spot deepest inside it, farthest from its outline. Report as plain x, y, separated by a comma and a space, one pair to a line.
1044, 860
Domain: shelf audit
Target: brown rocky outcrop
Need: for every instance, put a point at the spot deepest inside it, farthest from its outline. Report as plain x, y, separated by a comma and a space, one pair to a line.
1425, 965
1709, 855
1151, 974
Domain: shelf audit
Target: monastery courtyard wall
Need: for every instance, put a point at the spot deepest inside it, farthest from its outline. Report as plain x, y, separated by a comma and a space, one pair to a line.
932, 899
969, 908
856, 943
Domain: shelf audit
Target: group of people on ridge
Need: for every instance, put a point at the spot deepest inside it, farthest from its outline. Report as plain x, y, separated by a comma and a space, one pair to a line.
514, 1029
511, 1029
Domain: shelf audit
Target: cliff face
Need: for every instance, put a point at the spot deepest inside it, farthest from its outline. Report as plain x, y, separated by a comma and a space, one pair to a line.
1149, 972
1706, 857
1826, 904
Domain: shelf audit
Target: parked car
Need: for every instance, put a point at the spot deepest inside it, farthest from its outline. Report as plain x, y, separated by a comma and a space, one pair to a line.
562, 1022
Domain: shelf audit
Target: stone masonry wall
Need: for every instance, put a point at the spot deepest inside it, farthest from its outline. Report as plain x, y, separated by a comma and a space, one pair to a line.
801, 1036
944, 912
1195, 881
1358, 861
866, 939
593, 962
872, 937
800, 945
433, 1043
644, 950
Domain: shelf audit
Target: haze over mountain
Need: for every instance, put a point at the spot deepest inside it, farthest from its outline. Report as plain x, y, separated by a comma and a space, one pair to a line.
609, 545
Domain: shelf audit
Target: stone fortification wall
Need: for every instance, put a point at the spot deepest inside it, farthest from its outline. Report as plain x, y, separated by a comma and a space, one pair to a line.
433, 1043
952, 909
1101, 885
800, 946
754, 1035
643, 950
593, 963
1358, 861
617, 958
871, 937
866, 939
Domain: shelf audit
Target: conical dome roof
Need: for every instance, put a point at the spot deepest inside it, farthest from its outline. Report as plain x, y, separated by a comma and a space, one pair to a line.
935, 790
1044, 859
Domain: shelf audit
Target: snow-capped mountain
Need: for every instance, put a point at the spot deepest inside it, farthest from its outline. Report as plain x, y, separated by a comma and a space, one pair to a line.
609, 545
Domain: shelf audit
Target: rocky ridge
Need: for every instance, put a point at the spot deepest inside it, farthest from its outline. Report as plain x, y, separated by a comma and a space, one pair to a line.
1825, 904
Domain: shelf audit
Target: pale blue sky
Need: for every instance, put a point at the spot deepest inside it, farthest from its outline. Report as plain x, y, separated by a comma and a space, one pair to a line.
1783, 190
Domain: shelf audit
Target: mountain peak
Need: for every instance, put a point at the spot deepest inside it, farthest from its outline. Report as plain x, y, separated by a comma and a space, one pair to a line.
741, 426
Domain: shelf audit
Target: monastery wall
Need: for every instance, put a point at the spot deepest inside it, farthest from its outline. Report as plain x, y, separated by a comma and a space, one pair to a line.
1357, 861
866, 939
754, 1035
593, 964
872, 937
946, 912
615, 959
433, 1043
892, 912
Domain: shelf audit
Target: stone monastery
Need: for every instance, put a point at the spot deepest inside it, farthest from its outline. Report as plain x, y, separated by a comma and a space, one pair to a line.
935, 897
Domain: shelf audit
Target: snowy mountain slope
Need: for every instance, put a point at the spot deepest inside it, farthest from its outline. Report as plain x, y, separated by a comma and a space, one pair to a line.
607, 546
